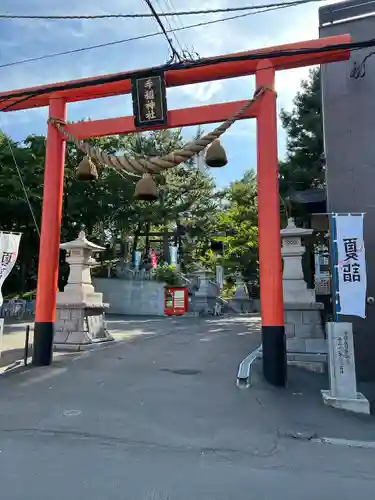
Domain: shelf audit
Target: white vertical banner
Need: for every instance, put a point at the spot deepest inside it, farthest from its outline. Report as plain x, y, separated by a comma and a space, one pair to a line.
173, 255
220, 276
9, 245
1, 334
137, 258
351, 265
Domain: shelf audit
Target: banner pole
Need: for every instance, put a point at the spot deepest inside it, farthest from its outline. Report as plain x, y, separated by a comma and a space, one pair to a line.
335, 290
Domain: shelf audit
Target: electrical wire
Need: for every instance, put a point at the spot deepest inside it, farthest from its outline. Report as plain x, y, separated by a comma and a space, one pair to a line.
178, 23
359, 70
171, 30
22, 184
160, 14
187, 65
150, 35
175, 54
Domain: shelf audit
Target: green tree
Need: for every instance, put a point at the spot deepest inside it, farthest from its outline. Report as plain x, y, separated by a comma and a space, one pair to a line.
303, 167
237, 228
25, 160
185, 193
106, 208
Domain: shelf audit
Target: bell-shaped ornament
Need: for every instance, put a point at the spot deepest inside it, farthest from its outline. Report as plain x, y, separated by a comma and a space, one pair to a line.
86, 170
215, 155
146, 189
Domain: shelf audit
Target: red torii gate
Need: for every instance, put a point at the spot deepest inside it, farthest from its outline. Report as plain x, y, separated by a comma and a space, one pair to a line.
56, 96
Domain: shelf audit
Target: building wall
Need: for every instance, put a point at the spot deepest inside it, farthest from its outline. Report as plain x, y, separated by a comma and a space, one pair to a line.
349, 134
135, 298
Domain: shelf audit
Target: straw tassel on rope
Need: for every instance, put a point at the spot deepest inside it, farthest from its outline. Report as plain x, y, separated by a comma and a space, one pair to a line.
86, 170
215, 155
146, 189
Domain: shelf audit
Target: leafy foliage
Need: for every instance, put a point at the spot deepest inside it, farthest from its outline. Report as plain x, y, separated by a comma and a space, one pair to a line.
304, 165
106, 208
237, 228
167, 274
188, 200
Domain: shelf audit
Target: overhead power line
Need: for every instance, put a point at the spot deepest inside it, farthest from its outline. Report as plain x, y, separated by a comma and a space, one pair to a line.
172, 24
151, 35
62, 17
24, 95
175, 54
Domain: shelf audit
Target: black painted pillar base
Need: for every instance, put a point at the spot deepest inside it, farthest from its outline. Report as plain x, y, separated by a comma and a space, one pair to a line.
43, 344
274, 355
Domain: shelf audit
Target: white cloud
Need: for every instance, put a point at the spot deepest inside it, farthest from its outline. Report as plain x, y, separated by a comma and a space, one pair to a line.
203, 92
26, 39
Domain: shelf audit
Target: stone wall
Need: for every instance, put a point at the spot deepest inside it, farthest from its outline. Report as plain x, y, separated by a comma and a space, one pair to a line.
135, 298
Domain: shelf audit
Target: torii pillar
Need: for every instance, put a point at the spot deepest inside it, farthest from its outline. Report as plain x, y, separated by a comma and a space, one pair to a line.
270, 266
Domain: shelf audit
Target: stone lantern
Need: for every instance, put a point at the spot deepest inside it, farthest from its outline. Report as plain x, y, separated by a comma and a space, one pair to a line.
80, 310
206, 295
306, 345
240, 302
294, 286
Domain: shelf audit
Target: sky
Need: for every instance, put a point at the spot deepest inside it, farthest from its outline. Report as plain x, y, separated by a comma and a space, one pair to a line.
23, 39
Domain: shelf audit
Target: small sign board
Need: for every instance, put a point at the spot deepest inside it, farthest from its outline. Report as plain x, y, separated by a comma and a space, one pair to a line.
341, 360
342, 391
175, 301
149, 100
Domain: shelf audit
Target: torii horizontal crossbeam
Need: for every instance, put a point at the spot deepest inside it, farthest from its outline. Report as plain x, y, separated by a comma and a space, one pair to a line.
200, 115
112, 85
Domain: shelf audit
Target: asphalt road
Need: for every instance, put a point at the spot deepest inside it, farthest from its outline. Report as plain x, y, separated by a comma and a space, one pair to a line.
161, 418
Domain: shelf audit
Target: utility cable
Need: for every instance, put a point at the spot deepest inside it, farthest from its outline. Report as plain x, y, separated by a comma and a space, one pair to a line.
145, 15
359, 70
22, 184
26, 94
178, 23
171, 30
149, 35
175, 54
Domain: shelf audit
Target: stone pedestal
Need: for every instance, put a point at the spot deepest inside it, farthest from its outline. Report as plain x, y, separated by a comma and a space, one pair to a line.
80, 320
306, 345
342, 393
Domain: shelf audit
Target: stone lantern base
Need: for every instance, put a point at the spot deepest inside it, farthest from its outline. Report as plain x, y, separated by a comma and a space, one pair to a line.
305, 340
80, 326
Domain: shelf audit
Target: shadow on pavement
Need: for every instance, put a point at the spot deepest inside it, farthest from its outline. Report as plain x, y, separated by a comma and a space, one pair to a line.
300, 408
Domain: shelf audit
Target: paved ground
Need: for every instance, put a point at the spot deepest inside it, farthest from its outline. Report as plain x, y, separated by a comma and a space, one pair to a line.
13, 341
14, 337
160, 417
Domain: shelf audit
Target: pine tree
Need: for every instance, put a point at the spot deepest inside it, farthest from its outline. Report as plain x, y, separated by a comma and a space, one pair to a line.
303, 167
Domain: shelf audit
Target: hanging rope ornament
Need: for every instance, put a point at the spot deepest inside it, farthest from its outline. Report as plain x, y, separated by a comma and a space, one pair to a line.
136, 167
215, 155
86, 170
146, 189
